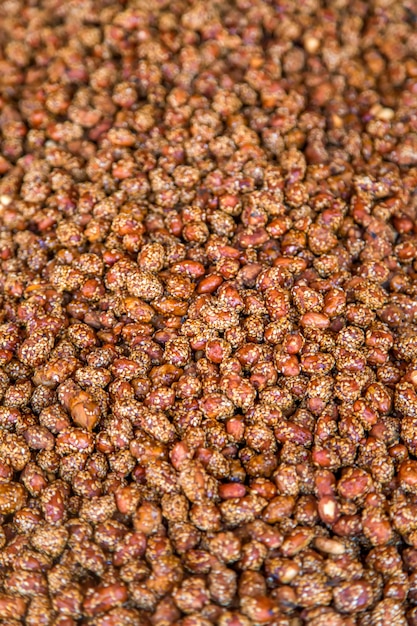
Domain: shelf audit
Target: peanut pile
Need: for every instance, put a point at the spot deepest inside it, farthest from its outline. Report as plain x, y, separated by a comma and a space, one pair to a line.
208, 312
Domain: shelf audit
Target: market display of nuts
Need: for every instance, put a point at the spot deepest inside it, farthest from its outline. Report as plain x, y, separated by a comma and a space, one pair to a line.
208, 313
